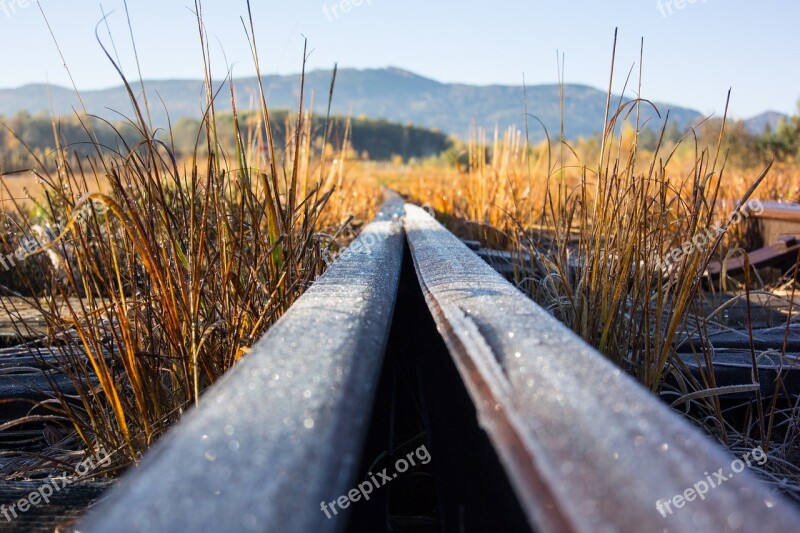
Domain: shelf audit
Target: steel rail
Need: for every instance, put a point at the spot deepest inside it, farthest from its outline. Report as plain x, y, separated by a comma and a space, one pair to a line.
585, 447
283, 430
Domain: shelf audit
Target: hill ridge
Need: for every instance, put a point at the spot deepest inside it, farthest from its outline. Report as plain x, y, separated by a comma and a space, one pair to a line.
391, 93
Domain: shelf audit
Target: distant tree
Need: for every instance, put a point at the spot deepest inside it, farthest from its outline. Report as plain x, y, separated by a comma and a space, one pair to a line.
648, 139
673, 133
784, 142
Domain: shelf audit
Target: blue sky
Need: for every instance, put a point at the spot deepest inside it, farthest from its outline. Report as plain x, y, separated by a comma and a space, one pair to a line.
694, 50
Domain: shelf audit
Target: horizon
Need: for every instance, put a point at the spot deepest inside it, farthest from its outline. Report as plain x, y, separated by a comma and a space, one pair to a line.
427, 40
377, 69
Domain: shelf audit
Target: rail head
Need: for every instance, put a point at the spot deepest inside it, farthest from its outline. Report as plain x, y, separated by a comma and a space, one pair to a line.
585, 447
283, 429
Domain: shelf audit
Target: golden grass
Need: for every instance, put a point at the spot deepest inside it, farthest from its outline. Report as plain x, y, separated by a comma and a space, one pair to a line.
587, 228
602, 226
180, 266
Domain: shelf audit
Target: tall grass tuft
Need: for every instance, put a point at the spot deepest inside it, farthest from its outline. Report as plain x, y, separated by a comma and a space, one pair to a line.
588, 225
589, 237
179, 266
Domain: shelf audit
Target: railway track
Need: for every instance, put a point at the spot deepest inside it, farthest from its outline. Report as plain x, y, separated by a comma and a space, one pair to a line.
412, 388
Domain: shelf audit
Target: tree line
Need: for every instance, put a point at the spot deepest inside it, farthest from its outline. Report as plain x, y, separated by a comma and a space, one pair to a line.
26, 138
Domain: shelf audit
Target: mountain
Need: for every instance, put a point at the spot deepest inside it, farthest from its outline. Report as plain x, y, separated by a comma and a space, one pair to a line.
760, 123
391, 93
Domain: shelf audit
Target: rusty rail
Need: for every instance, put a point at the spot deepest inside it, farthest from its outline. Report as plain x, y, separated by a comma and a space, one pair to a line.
585, 447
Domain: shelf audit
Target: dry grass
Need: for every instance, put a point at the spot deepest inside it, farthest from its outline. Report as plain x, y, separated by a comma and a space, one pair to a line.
588, 222
180, 266
589, 235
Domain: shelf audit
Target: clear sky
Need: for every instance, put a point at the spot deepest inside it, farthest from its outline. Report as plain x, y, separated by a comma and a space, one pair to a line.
694, 49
